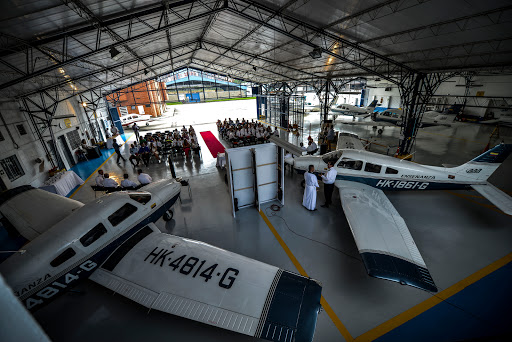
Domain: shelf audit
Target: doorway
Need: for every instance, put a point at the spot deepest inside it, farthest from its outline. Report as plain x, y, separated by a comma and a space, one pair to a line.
55, 155
67, 151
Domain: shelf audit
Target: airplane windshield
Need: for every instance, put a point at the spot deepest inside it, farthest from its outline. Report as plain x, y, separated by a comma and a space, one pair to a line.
141, 197
332, 156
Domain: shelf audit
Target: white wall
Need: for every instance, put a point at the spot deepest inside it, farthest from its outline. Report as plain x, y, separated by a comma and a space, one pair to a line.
29, 147
385, 98
490, 85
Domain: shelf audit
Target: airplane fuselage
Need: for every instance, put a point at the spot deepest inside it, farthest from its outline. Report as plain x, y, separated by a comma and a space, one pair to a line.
388, 173
73, 248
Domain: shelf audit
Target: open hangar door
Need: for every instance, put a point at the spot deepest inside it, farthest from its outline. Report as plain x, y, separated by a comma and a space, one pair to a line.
255, 175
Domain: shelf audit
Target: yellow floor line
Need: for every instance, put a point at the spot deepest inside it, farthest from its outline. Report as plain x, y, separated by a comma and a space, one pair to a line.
337, 322
99, 167
432, 301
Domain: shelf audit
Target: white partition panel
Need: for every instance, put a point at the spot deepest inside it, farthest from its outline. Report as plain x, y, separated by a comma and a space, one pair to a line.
266, 172
242, 176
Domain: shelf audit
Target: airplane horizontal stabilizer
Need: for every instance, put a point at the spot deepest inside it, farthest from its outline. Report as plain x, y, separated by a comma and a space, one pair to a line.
383, 240
204, 283
495, 196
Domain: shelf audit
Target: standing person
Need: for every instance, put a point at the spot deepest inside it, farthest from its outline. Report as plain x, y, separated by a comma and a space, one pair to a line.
328, 178
100, 178
136, 129
309, 199
118, 151
330, 137
144, 178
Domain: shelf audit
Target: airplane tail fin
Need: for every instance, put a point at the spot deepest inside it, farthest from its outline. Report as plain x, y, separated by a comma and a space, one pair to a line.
483, 166
372, 105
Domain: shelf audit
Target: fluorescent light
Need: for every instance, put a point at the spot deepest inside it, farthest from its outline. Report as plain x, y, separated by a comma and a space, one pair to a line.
316, 53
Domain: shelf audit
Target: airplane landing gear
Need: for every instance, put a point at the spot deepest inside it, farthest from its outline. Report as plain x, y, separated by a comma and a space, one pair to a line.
168, 215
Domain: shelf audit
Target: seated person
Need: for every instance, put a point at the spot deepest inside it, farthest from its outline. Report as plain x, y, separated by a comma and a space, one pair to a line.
154, 151
109, 182
114, 130
195, 146
144, 153
311, 147
143, 178
100, 178
134, 155
186, 147
83, 145
126, 183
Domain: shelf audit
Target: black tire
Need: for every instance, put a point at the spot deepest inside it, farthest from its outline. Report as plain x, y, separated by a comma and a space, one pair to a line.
147, 123
380, 131
168, 215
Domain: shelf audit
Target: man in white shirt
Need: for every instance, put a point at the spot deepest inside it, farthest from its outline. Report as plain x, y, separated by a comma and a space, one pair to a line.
302, 148
276, 132
328, 178
309, 199
143, 178
126, 183
100, 178
311, 147
108, 182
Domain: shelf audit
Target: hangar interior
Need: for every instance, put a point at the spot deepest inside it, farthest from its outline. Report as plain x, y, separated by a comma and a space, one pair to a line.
61, 61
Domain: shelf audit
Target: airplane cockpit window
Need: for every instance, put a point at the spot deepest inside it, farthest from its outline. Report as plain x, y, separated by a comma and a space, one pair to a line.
332, 157
351, 164
63, 257
391, 171
141, 197
93, 235
121, 214
369, 167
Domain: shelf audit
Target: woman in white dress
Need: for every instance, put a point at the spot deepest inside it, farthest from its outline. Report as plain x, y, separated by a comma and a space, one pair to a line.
309, 199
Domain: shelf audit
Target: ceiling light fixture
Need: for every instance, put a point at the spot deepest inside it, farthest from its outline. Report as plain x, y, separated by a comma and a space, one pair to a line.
254, 68
84, 104
316, 53
146, 71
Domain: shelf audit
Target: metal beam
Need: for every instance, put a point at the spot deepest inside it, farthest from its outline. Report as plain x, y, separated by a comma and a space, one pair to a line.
101, 49
351, 53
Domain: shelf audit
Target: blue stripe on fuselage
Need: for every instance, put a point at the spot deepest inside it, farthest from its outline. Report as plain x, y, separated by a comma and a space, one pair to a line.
390, 184
97, 258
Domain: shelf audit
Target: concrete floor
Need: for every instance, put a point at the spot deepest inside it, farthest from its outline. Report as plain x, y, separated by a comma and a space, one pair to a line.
458, 233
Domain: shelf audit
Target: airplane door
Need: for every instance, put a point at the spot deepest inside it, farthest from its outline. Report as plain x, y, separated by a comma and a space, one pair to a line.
266, 173
240, 168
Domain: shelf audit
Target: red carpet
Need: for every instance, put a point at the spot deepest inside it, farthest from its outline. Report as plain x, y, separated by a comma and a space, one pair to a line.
213, 143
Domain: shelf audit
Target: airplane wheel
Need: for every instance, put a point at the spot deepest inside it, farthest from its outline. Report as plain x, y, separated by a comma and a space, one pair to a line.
380, 131
168, 215
147, 123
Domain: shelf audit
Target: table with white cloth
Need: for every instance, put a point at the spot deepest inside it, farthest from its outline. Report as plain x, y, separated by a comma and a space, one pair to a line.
62, 183
221, 159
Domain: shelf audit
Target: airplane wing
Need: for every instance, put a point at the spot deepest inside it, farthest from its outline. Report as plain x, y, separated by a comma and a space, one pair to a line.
349, 141
495, 196
207, 284
383, 240
370, 123
45, 209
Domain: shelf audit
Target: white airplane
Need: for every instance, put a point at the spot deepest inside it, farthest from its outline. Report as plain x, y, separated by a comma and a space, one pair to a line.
393, 117
309, 107
347, 109
383, 240
114, 242
130, 119
502, 116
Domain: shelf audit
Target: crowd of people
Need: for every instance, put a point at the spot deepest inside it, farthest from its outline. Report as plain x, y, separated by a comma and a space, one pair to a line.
176, 142
245, 132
